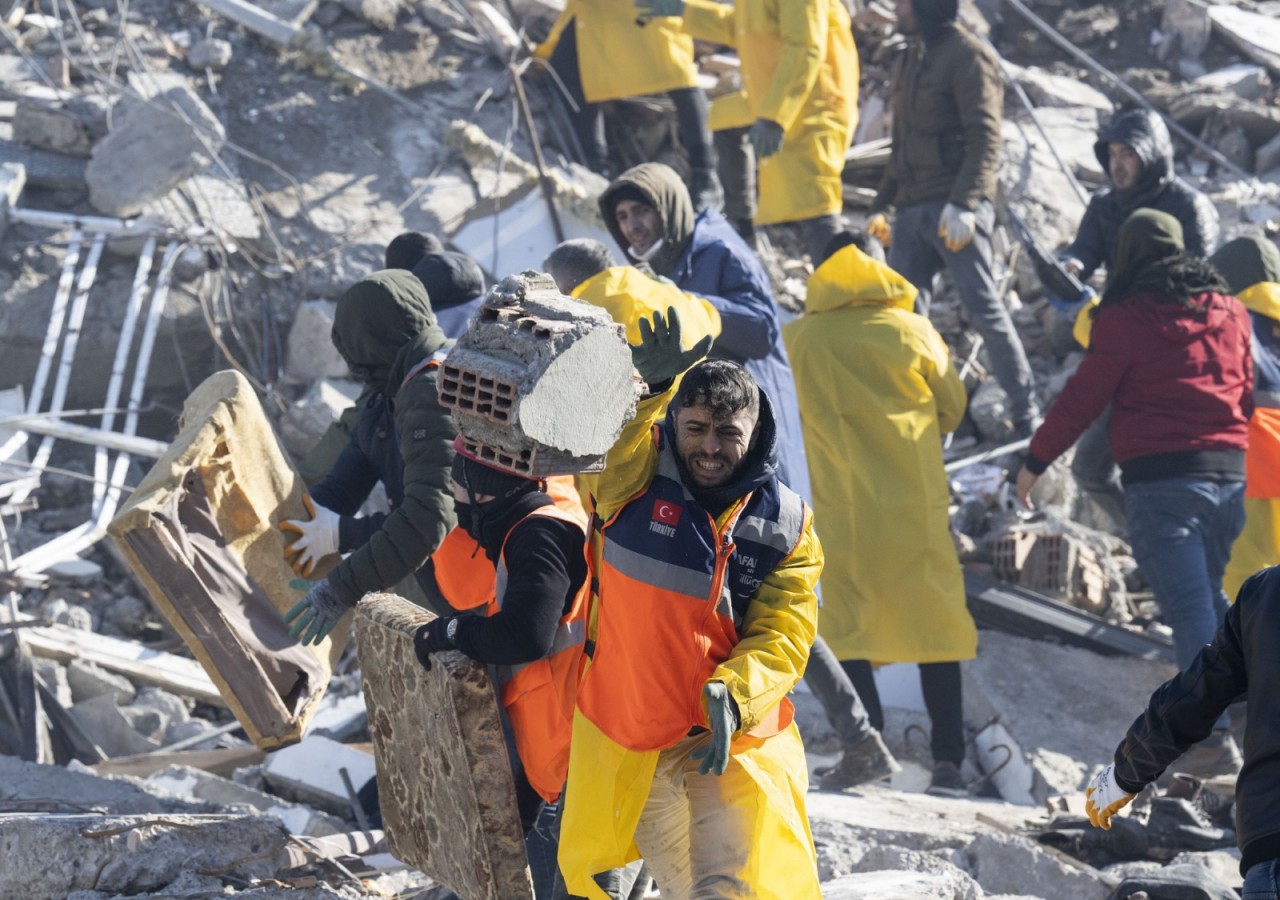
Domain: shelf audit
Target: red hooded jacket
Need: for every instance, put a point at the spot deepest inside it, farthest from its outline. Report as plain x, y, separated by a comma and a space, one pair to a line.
1180, 381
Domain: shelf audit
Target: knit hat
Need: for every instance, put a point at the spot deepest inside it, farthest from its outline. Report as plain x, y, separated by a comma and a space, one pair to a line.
451, 279
478, 477
406, 249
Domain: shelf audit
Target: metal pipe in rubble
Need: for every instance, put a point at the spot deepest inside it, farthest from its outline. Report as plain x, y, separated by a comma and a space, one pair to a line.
1048, 31
1014, 447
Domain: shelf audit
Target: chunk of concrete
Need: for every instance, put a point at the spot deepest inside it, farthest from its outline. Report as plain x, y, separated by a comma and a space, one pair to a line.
82, 790
308, 772
161, 135
89, 680
1187, 28
311, 415
310, 351
1046, 89
1012, 864
103, 722
202, 533
340, 718
1242, 79
43, 168
1256, 34
210, 53
894, 886
50, 856
540, 383
197, 784
444, 778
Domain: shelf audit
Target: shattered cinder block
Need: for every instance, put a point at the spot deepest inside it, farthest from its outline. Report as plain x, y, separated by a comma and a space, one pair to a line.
444, 779
201, 532
540, 383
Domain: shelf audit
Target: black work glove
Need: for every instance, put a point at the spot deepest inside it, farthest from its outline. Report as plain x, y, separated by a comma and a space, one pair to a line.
660, 357
431, 638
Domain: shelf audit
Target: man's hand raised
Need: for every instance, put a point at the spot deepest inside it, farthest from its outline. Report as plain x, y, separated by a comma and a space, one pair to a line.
660, 356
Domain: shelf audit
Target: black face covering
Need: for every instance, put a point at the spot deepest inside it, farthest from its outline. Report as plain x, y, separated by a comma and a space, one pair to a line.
470, 517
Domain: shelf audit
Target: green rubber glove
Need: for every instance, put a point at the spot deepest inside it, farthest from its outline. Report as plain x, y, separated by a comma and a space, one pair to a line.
659, 9
722, 716
315, 615
660, 357
765, 137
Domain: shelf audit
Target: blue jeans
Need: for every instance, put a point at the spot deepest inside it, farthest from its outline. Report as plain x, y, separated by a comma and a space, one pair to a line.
1262, 881
919, 254
1182, 530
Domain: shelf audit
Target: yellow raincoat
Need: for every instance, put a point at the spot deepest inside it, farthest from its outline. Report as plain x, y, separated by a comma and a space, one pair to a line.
608, 784
618, 58
877, 390
1259, 543
799, 69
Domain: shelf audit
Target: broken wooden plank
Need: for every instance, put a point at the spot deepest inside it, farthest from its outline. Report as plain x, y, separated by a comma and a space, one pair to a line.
444, 778
222, 761
1014, 610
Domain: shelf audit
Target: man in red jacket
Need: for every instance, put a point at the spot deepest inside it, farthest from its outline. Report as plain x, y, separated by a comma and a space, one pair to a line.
1171, 352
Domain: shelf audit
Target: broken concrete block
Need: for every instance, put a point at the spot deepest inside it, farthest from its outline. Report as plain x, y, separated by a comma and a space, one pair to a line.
197, 784
210, 53
82, 790
444, 778
310, 416
79, 572
42, 168
49, 125
1242, 79
311, 354
540, 383
89, 680
1256, 34
1012, 864
157, 140
201, 532
1186, 27
50, 856
308, 772
1048, 90
893, 886
107, 727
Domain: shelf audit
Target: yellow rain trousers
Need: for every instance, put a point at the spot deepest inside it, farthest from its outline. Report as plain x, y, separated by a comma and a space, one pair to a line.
1259, 543
609, 784
799, 69
877, 390
618, 58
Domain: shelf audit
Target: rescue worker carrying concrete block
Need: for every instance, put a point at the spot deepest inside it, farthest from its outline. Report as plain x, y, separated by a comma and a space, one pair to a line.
800, 80
684, 750
1171, 353
877, 392
384, 329
1251, 267
1136, 152
948, 101
1240, 663
602, 52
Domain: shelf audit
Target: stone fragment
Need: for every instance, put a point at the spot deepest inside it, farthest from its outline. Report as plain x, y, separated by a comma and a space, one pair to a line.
1048, 90
157, 140
50, 856
77, 572
81, 790
893, 885
308, 772
1244, 80
107, 727
540, 383
201, 532
311, 354
51, 125
210, 53
197, 784
307, 419
1012, 864
1256, 34
89, 680
1186, 27
444, 779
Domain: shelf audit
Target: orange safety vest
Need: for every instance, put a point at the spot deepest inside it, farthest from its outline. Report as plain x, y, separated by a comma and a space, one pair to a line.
672, 588
539, 696
463, 572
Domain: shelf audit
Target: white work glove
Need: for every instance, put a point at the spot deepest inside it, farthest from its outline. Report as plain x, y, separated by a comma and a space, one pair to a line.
1104, 798
956, 226
318, 537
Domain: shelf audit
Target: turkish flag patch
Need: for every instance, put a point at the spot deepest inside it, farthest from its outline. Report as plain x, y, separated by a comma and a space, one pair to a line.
666, 512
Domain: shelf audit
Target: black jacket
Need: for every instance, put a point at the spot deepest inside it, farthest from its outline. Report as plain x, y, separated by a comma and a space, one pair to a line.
1158, 188
1182, 712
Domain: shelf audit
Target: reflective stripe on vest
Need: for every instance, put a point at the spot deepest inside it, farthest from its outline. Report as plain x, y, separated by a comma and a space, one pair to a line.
431, 362
664, 563
539, 696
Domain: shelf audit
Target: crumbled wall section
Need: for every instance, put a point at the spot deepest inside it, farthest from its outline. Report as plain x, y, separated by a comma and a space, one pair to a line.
540, 383
202, 534
444, 779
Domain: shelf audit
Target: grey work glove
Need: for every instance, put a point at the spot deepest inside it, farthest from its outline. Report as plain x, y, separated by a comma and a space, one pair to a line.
660, 357
658, 9
314, 616
722, 716
765, 137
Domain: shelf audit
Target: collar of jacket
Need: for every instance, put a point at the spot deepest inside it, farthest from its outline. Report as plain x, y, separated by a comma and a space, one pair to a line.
503, 514
757, 467
851, 278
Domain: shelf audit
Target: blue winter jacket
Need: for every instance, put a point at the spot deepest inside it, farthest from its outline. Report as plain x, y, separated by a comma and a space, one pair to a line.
718, 265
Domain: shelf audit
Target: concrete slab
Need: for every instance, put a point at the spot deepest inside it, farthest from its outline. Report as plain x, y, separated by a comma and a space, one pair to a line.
444, 778
197, 784
201, 532
84, 790
309, 772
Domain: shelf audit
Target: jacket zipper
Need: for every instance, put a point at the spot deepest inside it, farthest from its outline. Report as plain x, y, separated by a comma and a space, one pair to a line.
723, 552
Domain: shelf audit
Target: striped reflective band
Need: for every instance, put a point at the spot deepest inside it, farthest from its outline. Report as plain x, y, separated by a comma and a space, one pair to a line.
781, 535
647, 570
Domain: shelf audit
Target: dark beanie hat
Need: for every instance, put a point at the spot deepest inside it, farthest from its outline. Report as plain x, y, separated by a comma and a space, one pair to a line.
934, 15
451, 279
406, 249
627, 191
478, 477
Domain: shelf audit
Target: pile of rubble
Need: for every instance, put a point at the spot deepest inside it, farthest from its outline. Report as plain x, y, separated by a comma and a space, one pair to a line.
285, 142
